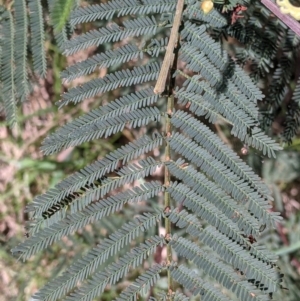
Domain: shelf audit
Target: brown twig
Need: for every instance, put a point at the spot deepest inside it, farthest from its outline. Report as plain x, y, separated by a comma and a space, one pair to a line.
169, 56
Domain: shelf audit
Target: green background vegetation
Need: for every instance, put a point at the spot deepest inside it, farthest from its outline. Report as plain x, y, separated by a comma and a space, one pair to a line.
25, 173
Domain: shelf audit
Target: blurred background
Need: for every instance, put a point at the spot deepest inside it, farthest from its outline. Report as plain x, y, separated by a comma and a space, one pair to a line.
25, 173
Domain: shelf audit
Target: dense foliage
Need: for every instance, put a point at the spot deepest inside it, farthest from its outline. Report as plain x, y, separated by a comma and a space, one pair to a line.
205, 198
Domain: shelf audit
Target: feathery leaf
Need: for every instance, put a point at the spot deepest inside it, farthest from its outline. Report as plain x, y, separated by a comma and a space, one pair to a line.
121, 8
89, 263
37, 37
8, 69
112, 33
110, 82
21, 77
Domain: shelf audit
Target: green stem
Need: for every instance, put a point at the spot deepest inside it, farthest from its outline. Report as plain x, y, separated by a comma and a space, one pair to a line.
167, 197
292, 248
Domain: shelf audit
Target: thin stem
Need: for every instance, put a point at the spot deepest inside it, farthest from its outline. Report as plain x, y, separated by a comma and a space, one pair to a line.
167, 197
286, 250
170, 106
167, 203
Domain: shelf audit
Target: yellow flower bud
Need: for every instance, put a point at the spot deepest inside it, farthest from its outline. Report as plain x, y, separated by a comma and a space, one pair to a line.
206, 6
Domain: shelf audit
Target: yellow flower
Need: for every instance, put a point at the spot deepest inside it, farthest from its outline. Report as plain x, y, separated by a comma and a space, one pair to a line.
287, 8
206, 6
